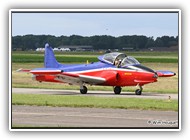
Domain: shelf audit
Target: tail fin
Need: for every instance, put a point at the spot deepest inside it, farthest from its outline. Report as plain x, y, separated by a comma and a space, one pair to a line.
49, 58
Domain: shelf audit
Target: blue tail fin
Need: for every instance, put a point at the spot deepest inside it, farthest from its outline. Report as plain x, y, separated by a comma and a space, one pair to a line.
49, 58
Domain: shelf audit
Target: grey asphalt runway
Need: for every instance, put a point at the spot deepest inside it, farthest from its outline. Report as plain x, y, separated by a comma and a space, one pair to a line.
93, 93
42, 116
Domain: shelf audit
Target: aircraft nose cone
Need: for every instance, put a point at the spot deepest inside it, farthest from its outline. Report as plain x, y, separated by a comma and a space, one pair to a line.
155, 75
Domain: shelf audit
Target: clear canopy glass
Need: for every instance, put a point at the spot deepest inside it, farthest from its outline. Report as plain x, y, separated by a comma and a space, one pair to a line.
119, 59
112, 57
129, 60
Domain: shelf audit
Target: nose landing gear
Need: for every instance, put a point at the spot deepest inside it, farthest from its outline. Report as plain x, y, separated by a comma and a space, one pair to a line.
139, 91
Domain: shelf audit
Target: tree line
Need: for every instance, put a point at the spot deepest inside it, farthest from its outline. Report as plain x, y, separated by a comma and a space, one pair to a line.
137, 42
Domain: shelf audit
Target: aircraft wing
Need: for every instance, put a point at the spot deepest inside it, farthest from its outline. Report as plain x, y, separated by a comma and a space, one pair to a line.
68, 77
162, 73
79, 78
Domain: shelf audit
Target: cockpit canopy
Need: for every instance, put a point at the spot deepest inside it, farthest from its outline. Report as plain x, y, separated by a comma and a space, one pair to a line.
129, 60
116, 57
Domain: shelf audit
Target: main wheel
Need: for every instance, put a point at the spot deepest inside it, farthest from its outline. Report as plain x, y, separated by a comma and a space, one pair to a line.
83, 90
138, 92
117, 90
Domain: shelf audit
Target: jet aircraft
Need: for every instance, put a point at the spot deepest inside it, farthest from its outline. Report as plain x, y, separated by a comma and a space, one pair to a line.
113, 69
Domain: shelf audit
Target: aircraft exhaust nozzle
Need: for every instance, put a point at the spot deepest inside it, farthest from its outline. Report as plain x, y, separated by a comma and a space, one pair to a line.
34, 77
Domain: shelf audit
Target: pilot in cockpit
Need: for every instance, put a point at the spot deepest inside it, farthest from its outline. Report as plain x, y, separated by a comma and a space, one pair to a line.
117, 63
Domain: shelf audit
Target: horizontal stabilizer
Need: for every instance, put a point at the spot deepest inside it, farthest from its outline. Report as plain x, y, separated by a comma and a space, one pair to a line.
46, 71
165, 73
23, 70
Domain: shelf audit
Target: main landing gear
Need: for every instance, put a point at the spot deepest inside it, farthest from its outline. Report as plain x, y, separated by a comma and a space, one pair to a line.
83, 89
117, 90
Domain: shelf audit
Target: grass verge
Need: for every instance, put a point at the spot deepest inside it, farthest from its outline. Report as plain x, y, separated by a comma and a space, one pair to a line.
39, 58
94, 102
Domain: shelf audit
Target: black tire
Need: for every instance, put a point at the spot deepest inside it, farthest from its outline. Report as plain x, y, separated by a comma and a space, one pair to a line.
138, 92
83, 90
117, 90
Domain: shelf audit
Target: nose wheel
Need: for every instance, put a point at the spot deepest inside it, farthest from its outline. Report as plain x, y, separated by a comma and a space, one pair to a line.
139, 91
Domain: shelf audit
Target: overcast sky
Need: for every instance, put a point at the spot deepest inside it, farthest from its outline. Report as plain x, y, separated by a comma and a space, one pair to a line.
89, 24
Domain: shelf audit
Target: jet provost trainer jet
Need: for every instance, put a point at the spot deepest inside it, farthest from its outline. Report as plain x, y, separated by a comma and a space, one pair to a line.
113, 69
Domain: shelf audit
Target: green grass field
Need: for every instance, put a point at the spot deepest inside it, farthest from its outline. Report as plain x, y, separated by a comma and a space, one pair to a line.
94, 102
91, 53
145, 57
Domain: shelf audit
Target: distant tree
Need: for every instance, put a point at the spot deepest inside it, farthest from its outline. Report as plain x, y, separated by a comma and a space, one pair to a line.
150, 42
166, 41
159, 42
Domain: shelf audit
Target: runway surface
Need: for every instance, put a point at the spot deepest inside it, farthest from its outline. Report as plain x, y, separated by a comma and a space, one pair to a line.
67, 117
93, 93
